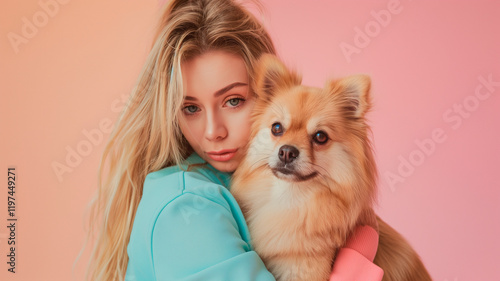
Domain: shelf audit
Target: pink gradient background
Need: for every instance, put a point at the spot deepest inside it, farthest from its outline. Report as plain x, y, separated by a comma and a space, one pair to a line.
71, 75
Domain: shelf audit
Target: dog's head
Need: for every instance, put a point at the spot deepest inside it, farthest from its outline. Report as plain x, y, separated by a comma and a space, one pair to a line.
305, 134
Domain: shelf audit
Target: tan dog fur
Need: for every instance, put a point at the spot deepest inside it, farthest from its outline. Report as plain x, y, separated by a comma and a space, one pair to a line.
301, 213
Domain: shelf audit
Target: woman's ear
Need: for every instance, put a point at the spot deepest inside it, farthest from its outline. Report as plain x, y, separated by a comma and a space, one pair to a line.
355, 91
271, 75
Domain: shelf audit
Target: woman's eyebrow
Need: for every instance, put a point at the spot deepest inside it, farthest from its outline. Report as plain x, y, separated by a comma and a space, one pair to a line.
227, 88
221, 91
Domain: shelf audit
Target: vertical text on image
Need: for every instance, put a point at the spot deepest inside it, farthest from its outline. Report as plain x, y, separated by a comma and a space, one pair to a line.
12, 225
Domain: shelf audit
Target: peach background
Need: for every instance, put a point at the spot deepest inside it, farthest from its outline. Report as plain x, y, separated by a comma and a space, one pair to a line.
73, 72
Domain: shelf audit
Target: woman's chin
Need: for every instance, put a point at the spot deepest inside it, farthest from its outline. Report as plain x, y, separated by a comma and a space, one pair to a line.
228, 166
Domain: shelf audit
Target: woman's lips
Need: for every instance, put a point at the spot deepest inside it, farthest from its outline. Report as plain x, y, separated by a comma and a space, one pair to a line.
222, 155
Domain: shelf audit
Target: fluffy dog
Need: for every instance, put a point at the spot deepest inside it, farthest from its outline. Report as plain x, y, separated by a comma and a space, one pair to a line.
309, 177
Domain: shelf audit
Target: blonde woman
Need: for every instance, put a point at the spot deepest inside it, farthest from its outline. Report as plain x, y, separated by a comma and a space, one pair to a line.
163, 209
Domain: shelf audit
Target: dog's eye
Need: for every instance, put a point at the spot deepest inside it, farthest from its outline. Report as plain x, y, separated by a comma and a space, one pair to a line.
320, 137
277, 129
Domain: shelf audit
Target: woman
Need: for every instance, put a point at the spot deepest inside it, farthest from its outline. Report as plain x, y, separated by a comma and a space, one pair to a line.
185, 128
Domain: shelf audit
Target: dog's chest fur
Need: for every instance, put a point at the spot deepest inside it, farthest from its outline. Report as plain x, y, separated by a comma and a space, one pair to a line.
287, 217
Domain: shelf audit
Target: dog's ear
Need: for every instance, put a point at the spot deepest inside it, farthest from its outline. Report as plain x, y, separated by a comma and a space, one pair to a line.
271, 74
355, 93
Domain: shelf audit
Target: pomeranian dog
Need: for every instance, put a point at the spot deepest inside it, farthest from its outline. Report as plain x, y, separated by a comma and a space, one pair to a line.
309, 177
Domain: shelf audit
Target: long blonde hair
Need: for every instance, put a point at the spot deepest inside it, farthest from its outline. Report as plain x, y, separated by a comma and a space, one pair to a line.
147, 136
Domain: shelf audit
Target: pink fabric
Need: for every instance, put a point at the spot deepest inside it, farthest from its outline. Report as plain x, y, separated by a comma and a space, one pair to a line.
355, 261
365, 241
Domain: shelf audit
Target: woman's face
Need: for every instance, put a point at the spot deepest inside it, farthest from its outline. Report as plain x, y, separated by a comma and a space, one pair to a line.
215, 118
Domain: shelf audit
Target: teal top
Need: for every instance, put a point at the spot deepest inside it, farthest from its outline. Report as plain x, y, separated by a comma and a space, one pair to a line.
188, 226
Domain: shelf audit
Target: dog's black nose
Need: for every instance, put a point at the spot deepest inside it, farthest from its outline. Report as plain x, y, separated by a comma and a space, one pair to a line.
288, 153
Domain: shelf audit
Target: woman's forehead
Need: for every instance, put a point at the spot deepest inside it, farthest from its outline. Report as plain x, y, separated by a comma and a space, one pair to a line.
212, 71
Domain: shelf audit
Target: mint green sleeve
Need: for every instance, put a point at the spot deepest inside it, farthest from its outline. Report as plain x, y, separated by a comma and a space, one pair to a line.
195, 238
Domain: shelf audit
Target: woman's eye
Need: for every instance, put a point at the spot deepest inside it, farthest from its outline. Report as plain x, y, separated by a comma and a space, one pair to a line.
320, 137
234, 102
191, 109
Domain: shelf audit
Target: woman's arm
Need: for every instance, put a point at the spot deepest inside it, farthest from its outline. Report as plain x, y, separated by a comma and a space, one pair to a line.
355, 260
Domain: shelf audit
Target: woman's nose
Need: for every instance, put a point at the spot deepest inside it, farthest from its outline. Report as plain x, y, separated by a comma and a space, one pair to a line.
215, 127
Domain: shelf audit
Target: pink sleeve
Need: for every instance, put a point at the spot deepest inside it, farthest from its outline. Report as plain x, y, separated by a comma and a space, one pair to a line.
354, 261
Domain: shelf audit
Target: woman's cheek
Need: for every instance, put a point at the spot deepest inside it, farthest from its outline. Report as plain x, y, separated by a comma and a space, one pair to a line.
191, 129
242, 124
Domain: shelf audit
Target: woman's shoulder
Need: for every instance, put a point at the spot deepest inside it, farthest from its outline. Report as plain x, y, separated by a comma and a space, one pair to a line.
188, 222
171, 188
171, 194
180, 206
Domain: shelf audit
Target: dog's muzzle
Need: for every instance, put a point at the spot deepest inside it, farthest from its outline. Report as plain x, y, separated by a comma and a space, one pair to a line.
286, 167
